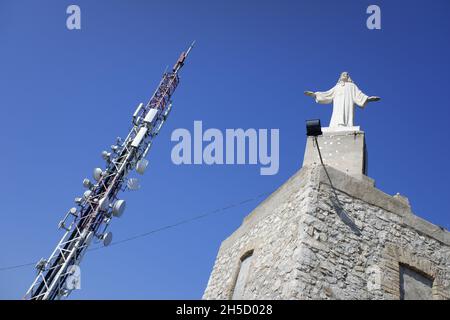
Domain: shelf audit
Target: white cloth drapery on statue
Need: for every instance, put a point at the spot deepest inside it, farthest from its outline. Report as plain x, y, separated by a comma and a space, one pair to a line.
344, 96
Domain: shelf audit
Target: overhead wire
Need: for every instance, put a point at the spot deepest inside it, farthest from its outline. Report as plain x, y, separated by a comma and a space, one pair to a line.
148, 233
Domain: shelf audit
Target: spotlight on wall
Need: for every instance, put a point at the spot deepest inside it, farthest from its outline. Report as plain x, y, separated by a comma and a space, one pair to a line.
313, 128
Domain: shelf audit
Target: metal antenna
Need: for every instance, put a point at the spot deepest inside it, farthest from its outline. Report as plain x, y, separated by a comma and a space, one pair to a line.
182, 58
190, 48
58, 275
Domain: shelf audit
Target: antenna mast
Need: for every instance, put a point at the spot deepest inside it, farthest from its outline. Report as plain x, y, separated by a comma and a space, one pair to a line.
58, 275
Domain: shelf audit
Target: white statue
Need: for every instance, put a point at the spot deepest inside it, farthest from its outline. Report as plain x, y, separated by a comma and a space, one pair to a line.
344, 95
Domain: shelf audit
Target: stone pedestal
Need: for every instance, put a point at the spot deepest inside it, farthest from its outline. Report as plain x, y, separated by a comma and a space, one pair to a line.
341, 148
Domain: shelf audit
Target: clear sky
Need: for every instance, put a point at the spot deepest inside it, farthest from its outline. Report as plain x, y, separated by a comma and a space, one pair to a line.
65, 96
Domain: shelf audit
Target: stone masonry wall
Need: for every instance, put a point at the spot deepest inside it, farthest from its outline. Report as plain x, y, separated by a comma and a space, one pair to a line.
305, 248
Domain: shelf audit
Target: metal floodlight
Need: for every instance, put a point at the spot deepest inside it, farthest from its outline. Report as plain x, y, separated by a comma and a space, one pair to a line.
313, 128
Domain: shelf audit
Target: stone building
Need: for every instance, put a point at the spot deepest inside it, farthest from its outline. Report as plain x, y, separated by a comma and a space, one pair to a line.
331, 234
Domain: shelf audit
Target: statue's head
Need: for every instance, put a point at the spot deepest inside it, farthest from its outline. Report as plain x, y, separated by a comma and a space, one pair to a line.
345, 77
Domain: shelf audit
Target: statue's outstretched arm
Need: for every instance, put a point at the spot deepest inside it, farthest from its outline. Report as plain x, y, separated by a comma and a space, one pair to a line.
325, 97
373, 99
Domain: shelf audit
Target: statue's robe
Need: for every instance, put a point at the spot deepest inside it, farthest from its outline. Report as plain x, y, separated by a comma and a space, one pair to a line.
344, 96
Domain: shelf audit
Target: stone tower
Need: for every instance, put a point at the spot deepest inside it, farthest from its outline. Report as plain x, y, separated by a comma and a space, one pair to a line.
312, 239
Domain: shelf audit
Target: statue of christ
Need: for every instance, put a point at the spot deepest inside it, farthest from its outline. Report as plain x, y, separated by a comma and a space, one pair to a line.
344, 95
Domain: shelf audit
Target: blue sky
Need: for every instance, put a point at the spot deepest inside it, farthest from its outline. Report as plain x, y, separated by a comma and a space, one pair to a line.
65, 96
